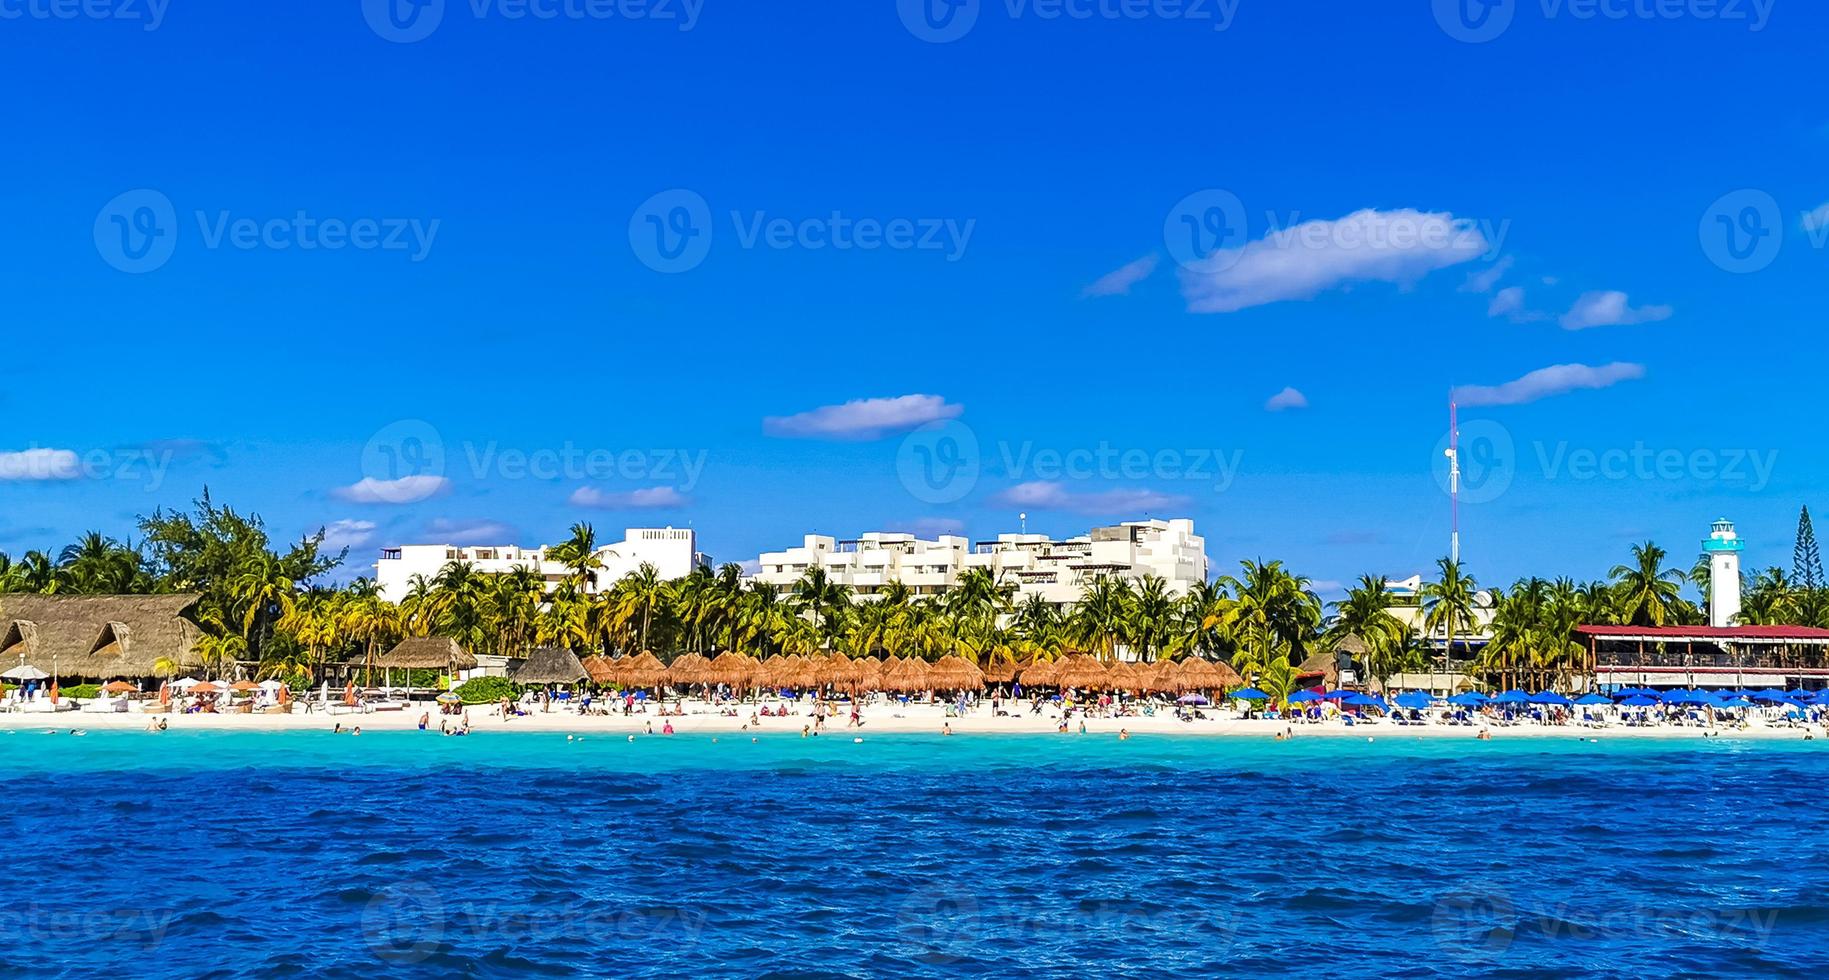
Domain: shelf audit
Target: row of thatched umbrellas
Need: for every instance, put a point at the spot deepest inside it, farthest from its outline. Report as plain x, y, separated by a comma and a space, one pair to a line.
908, 675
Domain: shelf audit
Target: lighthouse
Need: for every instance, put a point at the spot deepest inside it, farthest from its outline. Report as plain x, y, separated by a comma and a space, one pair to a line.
1723, 549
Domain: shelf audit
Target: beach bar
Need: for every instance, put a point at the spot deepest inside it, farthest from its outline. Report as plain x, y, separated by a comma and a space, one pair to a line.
1685, 656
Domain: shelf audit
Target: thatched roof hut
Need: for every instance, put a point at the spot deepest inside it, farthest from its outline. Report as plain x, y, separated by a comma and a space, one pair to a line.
1082, 671
738, 670
869, 673
1164, 676
1324, 667
99, 636
1040, 673
907, 676
954, 673
642, 670
549, 665
423, 653
688, 670
999, 672
1128, 677
602, 670
1198, 674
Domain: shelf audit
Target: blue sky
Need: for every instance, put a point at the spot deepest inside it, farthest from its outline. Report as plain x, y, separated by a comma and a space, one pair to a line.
1558, 192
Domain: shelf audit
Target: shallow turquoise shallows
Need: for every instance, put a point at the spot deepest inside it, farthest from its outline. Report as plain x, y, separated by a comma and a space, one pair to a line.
309, 854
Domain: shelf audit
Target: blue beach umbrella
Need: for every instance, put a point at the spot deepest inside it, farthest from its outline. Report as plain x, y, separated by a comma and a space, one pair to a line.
1635, 692
1637, 701
1734, 703
1469, 699
1414, 699
1304, 697
1687, 697
1250, 694
1551, 698
1590, 699
1513, 696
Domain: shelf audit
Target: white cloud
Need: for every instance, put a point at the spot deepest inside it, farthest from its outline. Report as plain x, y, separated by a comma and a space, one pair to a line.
1050, 495
1303, 261
645, 498
40, 464
1286, 399
1608, 308
406, 490
1559, 379
1817, 217
1483, 280
348, 534
1118, 281
1507, 302
865, 418
456, 532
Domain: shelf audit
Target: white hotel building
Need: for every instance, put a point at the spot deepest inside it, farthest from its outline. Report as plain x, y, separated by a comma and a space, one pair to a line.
1058, 571
672, 551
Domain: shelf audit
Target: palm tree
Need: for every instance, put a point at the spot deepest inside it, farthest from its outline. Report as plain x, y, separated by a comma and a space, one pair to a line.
1448, 605
823, 601
639, 594
1648, 593
1101, 618
578, 553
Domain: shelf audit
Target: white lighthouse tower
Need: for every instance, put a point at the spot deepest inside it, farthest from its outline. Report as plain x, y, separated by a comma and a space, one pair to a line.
1723, 549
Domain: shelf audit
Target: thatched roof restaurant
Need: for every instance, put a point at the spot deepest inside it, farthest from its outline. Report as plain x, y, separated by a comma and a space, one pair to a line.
549, 665
99, 636
423, 653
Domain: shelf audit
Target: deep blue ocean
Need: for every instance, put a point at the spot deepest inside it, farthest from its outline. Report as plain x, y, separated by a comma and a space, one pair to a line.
308, 854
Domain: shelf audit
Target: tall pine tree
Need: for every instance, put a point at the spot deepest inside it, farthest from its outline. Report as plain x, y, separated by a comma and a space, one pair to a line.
1806, 562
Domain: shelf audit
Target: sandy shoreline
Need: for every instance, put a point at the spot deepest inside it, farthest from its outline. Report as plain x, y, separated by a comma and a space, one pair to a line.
882, 718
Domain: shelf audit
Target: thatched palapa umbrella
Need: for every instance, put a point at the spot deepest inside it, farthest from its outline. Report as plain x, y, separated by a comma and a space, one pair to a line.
1126, 677
953, 673
603, 671
689, 670
907, 677
735, 669
549, 665
1000, 672
643, 670
1082, 671
1041, 673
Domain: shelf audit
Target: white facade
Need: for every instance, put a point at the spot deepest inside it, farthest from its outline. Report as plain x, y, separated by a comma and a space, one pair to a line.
1058, 571
672, 551
1723, 547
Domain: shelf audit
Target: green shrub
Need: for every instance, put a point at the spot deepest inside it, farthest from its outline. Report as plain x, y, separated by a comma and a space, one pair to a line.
487, 690
83, 691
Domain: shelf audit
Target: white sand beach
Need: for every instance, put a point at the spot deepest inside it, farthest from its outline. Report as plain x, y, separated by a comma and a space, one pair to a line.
701, 717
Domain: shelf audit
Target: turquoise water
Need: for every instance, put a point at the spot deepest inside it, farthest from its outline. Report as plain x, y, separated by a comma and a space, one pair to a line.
306, 854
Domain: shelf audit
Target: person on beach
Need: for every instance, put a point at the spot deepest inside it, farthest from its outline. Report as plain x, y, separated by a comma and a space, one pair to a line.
425, 718
1123, 734
667, 729
946, 729
337, 729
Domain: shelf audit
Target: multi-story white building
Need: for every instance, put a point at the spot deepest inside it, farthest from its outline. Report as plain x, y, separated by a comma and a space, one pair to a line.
672, 551
1058, 571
